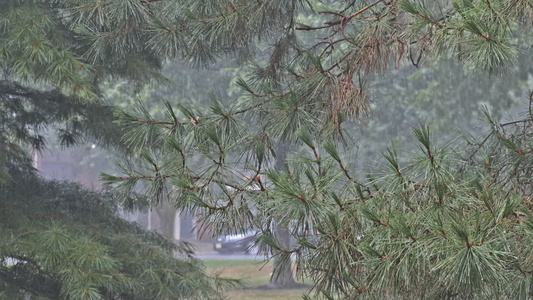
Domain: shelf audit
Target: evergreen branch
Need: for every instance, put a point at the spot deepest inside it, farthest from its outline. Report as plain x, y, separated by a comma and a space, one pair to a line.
326, 12
257, 178
111, 178
149, 1
359, 12
154, 122
309, 28
515, 122
511, 4
342, 21
480, 145
244, 110
490, 6
261, 186
430, 20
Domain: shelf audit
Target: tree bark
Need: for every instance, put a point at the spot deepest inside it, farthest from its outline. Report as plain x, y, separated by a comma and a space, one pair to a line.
282, 277
167, 216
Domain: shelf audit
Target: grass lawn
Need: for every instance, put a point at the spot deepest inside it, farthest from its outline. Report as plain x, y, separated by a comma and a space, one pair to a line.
254, 273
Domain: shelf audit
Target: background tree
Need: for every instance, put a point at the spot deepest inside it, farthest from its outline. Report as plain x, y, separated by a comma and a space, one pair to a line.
59, 241
441, 94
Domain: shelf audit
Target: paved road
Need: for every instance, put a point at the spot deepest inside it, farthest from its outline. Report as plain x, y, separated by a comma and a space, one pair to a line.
229, 256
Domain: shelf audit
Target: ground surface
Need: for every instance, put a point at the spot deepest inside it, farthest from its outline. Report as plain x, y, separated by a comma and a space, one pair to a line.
254, 272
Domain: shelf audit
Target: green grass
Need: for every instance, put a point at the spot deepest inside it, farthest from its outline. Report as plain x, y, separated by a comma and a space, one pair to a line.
254, 273
267, 294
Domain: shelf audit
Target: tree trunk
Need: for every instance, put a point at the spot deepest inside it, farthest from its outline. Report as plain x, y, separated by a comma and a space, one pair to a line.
167, 216
282, 277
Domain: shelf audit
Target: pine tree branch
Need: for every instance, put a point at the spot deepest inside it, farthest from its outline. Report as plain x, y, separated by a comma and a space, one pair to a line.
346, 20
149, 1
241, 111
167, 176
509, 6
430, 20
153, 122
342, 21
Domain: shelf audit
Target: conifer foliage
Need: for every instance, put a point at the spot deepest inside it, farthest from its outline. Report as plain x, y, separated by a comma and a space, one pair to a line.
59, 241
439, 223
446, 224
